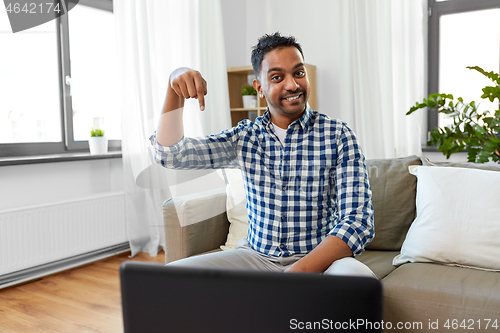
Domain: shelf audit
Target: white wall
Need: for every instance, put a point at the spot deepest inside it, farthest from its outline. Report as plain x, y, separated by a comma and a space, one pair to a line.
47, 183
234, 24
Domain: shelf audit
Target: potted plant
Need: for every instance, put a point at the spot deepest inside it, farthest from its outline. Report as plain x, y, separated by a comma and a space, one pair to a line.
476, 132
249, 95
98, 143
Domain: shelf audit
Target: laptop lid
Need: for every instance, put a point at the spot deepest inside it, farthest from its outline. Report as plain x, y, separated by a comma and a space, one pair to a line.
158, 298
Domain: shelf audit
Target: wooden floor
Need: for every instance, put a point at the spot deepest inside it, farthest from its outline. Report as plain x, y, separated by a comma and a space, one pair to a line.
84, 299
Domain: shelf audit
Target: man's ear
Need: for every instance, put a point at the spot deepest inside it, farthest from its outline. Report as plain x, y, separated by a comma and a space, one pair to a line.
258, 87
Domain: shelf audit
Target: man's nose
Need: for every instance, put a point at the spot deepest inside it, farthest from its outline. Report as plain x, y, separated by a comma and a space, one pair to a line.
290, 83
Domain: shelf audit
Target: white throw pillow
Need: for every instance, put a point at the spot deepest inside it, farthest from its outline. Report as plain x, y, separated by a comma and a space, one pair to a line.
458, 218
236, 208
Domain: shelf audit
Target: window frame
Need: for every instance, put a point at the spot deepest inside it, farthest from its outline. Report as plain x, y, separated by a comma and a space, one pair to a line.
436, 9
68, 145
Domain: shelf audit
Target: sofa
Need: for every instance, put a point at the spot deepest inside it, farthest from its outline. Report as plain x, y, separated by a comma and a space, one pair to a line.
436, 248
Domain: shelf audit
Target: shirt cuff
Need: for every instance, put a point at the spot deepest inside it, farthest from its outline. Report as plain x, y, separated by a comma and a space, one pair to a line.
174, 149
355, 235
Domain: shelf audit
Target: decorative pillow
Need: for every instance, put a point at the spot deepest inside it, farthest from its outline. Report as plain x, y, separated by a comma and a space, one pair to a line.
393, 196
236, 203
458, 218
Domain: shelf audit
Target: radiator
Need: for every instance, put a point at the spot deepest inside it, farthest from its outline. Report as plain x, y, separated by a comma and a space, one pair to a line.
34, 236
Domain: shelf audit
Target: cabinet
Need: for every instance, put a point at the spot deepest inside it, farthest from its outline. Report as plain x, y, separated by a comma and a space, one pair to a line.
238, 77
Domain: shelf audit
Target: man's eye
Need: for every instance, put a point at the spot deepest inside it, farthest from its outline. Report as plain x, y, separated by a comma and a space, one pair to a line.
275, 78
301, 73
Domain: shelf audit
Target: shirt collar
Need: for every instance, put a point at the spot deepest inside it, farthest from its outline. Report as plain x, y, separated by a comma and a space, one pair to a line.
303, 121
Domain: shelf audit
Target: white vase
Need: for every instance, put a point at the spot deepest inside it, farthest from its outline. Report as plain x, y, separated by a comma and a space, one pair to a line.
98, 145
249, 101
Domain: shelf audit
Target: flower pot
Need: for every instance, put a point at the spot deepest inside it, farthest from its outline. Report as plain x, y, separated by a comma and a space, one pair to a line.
98, 145
249, 101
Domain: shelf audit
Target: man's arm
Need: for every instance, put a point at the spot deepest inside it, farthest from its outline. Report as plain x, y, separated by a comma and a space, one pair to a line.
184, 83
171, 148
322, 256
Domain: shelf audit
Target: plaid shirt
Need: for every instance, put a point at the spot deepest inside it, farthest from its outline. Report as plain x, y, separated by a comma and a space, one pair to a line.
314, 185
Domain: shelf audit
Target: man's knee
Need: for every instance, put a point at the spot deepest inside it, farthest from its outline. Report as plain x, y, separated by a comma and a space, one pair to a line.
349, 266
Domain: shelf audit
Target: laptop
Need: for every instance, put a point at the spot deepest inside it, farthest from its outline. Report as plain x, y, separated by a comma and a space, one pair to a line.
158, 298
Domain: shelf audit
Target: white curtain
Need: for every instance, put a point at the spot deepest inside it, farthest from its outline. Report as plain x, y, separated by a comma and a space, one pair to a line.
154, 38
384, 51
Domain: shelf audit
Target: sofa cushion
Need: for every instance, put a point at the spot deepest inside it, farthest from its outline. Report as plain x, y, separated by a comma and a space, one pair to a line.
437, 292
236, 202
380, 262
457, 218
393, 195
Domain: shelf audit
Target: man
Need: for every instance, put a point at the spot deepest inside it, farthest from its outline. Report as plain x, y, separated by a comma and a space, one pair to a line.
309, 201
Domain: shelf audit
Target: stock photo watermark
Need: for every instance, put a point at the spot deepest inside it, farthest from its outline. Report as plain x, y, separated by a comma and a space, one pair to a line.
364, 325
24, 15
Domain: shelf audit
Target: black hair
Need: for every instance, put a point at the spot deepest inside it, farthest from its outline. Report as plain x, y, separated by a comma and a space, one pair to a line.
268, 43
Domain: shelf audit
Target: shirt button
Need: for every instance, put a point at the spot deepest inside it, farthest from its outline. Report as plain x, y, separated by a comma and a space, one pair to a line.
284, 188
282, 246
283, 218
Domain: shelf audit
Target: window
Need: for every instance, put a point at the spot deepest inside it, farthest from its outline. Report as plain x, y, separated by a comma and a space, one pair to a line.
29, 84
57, 81
462, 33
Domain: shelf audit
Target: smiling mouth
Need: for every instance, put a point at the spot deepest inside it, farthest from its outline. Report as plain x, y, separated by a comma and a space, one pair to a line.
292, 98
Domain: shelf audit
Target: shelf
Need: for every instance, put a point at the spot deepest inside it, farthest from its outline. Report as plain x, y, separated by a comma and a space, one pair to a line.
248, 70
248, 109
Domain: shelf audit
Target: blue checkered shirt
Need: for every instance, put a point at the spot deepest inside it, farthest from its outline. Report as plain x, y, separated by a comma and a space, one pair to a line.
313, 185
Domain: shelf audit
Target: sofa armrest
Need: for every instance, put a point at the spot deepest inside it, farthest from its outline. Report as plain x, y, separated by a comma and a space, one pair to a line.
195, 223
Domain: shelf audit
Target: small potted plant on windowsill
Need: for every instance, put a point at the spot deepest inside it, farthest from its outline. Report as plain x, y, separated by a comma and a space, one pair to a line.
98, 143
249, 95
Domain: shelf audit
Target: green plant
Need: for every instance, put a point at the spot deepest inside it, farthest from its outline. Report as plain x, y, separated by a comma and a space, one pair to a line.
96, 132
248, 90
476, 132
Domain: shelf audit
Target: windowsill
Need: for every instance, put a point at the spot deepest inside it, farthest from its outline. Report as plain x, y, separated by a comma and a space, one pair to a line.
430, 149
66, 157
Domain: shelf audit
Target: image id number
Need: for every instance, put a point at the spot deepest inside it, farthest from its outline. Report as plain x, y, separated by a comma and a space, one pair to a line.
33, 8
471, 324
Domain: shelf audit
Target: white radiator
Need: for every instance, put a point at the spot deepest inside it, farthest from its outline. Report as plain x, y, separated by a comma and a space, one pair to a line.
39, 235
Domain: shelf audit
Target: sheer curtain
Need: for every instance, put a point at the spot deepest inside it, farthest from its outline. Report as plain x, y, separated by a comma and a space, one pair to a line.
154, 38
384, 71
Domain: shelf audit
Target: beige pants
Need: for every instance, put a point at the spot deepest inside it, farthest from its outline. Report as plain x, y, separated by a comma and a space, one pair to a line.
244, 257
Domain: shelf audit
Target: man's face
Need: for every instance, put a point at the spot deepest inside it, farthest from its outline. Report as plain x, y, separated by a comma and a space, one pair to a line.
283, 82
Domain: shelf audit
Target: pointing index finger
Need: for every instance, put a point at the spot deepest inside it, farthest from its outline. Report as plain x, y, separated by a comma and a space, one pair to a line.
201, 90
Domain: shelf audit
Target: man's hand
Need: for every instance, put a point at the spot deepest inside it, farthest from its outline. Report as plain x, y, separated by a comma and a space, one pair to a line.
322, 256
184, 83
188, 83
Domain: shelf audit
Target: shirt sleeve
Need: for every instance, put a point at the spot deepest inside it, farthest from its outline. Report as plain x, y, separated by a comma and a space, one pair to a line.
353, 195
211, 152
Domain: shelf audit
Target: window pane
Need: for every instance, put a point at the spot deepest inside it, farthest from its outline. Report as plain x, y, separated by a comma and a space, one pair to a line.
93, 72
29, 84
468, 39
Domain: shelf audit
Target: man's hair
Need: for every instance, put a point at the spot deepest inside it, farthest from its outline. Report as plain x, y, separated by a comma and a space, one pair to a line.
266, 44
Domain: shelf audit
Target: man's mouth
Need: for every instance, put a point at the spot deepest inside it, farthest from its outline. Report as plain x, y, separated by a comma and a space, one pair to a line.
293, 97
